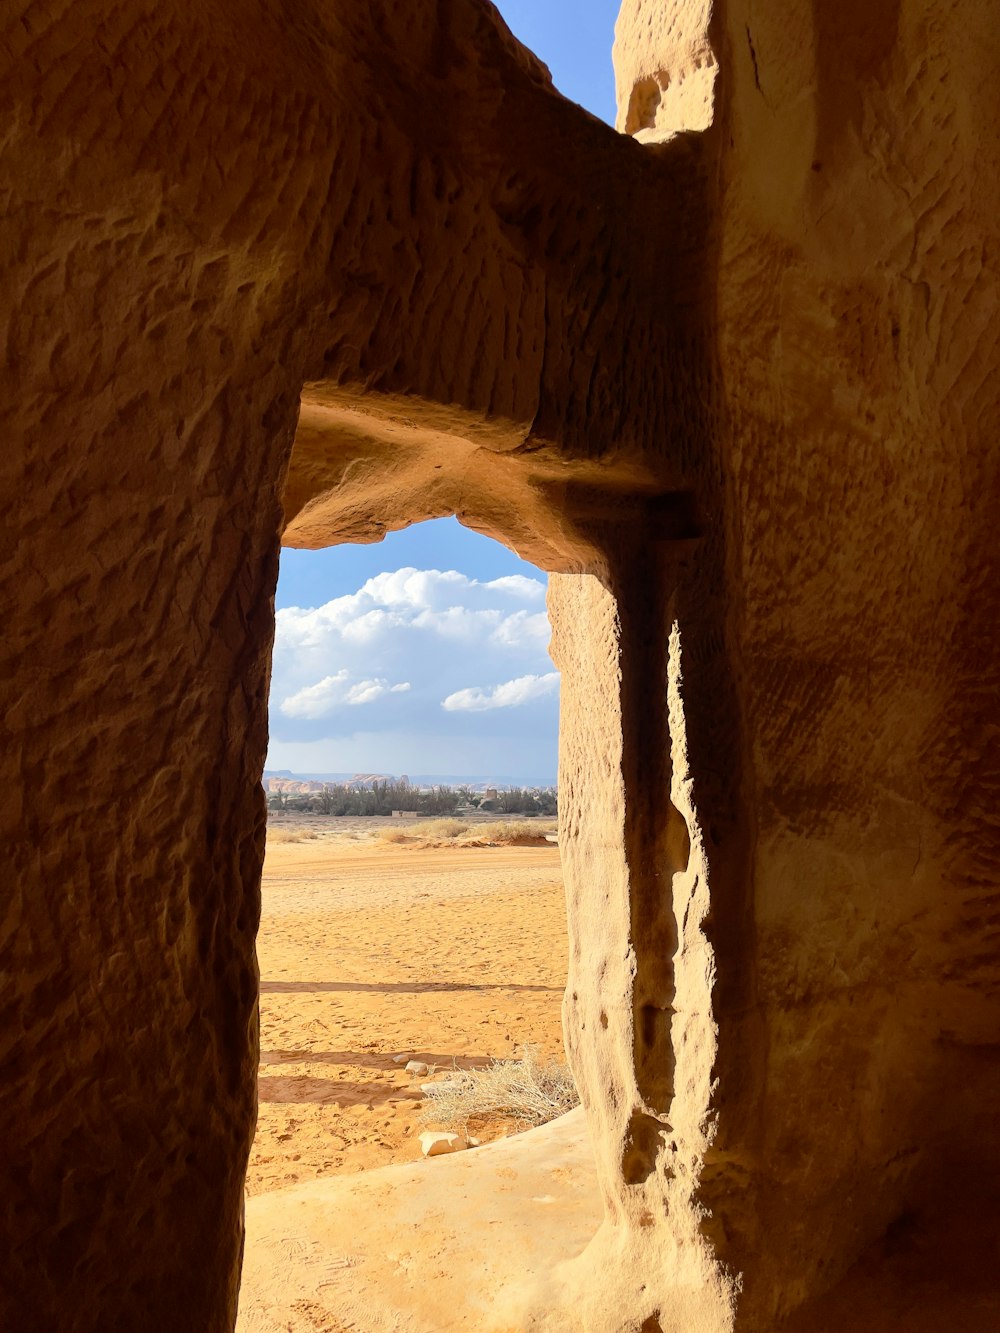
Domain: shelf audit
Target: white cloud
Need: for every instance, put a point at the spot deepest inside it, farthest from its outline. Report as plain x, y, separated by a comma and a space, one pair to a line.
384, 657
511, 694
315, 700
370, 626
458, 622
445, 605
523, 628
444, 602
416, 587
519, 586
365, 691
332, 692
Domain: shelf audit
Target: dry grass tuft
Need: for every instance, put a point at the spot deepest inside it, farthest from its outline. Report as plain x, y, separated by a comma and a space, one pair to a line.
291, 835
443, 828
428, 833
512, 833
395, 835
460, 833
527, 1091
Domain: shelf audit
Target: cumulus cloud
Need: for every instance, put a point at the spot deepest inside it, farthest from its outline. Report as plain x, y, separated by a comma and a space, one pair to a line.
443, 602
521, 629
332, 692
516, 585
396, 657
511, 694
443, 605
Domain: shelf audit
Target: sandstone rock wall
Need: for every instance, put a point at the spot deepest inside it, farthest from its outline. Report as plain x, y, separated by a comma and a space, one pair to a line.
315, 273
858, 344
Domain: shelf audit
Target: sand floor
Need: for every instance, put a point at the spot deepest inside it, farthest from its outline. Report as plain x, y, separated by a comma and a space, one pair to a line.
476, 1242
370, 950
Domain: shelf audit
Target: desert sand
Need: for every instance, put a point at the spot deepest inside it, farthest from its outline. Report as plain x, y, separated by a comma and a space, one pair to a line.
370, 950
476, 1242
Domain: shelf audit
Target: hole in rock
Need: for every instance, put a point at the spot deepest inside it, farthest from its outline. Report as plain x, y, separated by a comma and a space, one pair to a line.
413, 929
643, 104
644, 1141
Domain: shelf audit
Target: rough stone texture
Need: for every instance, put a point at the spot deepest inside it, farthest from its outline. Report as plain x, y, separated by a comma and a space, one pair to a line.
738, 388
859, 344
665, 68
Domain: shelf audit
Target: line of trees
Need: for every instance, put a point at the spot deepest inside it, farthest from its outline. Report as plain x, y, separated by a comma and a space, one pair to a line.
520, 801
381, 798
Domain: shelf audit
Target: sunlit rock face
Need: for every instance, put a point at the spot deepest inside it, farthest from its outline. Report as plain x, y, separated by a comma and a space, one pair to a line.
665, 68
857, 342
313, 272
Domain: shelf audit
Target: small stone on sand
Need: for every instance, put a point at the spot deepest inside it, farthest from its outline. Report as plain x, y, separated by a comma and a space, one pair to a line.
434, 1143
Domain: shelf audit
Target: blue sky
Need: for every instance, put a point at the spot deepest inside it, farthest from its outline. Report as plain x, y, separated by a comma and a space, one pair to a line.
574, 39
427, 652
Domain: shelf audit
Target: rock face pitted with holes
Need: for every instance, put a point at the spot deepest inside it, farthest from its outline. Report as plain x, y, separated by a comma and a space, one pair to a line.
311, 272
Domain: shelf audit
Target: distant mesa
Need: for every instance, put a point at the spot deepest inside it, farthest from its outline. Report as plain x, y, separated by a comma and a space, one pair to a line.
300, 784
284, 780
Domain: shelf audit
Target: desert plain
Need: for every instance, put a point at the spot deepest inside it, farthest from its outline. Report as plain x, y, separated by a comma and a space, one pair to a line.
372, 949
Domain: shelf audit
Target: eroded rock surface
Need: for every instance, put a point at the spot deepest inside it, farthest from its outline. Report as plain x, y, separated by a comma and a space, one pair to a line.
314, 272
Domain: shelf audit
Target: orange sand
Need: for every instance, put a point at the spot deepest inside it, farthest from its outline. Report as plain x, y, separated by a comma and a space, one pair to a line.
368, 950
